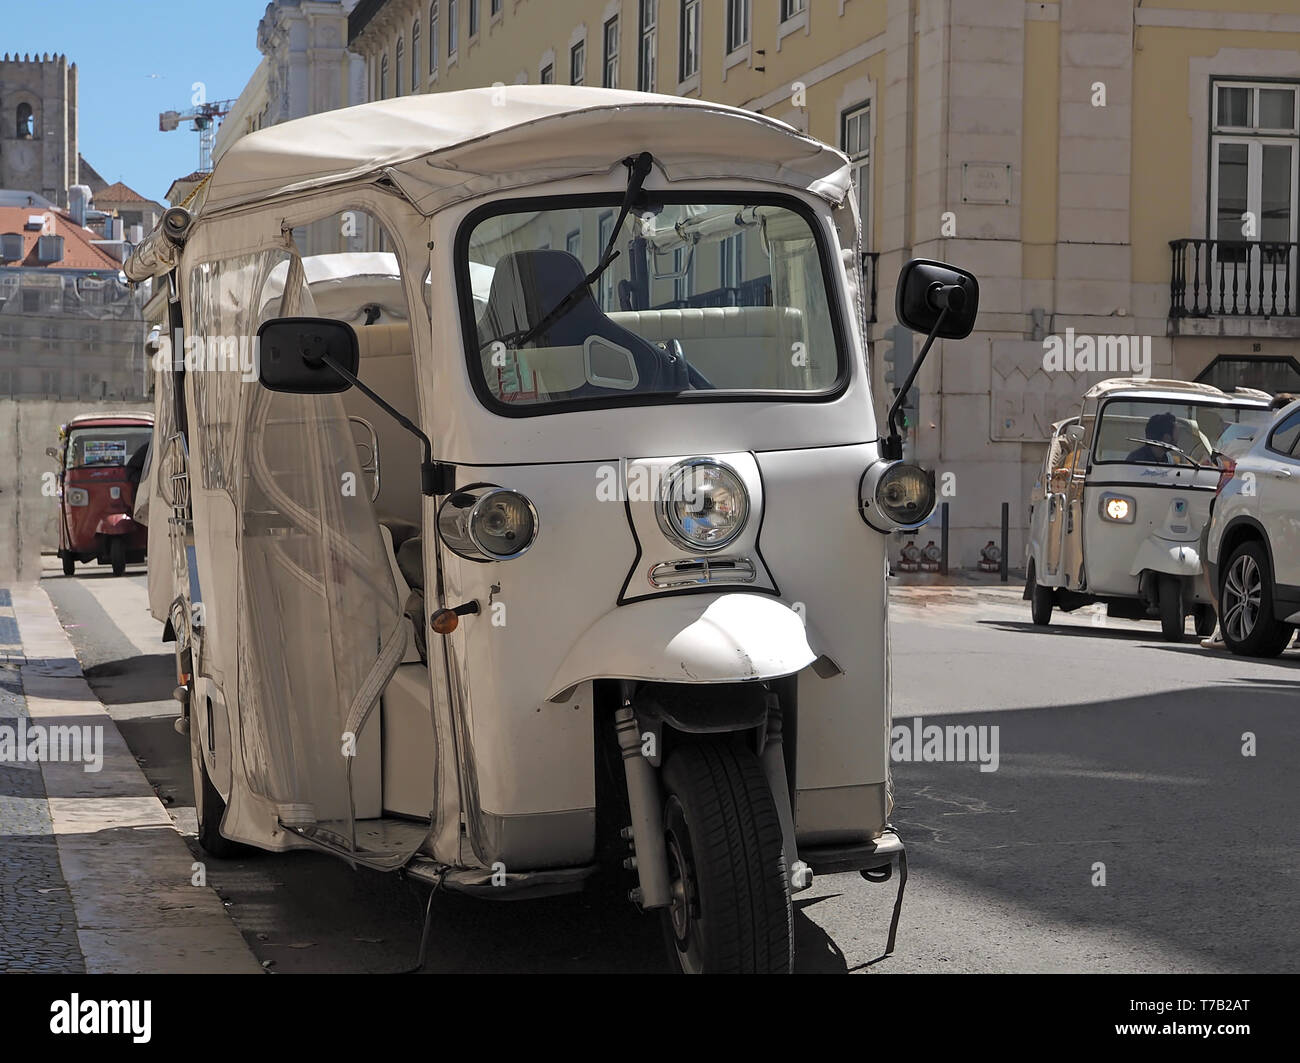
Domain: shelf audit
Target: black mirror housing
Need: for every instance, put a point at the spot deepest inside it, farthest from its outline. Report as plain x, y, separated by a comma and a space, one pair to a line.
292, 353
927, 288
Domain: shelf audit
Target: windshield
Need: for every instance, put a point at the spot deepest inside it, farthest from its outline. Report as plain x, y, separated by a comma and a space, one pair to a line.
1159, 432
106, 445
701, 298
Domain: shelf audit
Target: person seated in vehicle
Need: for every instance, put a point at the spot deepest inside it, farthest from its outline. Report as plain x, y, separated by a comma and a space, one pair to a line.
1160, 429
135, 467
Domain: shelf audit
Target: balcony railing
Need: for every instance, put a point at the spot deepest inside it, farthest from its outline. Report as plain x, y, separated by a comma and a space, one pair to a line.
1233, 278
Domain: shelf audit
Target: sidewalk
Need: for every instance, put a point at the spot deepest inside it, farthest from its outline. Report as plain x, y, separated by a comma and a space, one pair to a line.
960, 585
93, 876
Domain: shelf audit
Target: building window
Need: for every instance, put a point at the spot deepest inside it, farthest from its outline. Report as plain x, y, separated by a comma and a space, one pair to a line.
731, 266
453, 30
383, 77
855, 142
26, 122
1254, 147
578, 63
605, 234
610, 78
790, 8
1245, 371
573, 244
684, 270
415, 56
737, 24
397, 67
433, 37
473, 18
647, 54
688, 61
547, 76
496, 8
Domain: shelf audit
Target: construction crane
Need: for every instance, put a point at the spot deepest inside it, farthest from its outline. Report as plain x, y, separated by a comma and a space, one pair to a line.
204, 118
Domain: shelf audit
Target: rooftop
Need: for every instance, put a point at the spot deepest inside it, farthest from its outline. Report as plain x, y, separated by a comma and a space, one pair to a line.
120, 193
78, 251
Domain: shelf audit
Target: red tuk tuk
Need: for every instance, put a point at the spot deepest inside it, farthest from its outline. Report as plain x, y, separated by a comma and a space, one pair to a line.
101, 457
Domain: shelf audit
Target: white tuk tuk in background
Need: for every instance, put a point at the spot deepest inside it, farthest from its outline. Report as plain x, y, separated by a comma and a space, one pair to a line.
1124, 494
550, 528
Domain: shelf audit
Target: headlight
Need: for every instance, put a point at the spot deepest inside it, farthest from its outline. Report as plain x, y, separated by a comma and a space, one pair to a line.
895, 496
1118, 508
703, 504
77, 496
486, 523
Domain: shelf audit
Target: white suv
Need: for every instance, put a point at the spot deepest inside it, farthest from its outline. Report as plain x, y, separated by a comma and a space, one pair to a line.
1253, 550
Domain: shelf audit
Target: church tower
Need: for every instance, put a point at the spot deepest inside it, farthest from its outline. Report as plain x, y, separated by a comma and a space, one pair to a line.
38, 125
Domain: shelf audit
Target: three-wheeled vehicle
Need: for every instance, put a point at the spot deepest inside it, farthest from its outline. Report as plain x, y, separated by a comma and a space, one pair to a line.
100, 458
1123, 496
550, 530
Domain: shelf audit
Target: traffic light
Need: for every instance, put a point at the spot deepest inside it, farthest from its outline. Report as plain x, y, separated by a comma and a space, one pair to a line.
898, 364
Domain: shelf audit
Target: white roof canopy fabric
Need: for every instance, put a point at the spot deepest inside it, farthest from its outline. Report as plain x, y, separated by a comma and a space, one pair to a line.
441, 148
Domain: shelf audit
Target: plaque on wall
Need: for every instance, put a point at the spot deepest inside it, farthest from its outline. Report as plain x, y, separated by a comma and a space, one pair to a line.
986, 182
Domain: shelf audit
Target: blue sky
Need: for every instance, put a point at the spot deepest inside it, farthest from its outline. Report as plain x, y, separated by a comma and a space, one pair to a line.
135, 60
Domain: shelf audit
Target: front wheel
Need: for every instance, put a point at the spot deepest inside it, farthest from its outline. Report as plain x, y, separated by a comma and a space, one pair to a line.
731, 911
117, 554
1041, 599
1173, 619
1246, 604
209, 808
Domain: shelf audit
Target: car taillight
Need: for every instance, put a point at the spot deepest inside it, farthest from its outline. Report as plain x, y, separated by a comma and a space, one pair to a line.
1227, 470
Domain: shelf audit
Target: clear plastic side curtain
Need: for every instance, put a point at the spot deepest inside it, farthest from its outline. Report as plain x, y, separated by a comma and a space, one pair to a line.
319, 630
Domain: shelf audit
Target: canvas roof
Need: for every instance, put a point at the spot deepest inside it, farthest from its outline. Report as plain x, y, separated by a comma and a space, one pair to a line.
440, 148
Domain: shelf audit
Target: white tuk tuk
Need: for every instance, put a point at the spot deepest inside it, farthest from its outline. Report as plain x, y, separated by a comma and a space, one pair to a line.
550, 523
1118, 510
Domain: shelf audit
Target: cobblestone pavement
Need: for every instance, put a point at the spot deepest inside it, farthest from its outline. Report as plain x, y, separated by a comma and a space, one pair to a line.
38, 925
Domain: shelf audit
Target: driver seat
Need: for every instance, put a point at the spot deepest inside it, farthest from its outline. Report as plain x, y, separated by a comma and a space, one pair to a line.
527, 285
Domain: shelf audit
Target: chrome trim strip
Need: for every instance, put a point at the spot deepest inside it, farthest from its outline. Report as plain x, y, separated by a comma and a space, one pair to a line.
696, 571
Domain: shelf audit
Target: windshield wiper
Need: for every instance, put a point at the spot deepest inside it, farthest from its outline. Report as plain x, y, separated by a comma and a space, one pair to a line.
1174, 449
638, 167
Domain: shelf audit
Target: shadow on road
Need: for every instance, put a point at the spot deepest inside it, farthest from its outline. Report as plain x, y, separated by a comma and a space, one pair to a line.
1194, 827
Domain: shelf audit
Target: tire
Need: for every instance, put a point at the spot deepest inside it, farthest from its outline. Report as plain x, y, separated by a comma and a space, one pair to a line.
731, 912
1173, 619
69, 565
1246, 604
117, 554
1206, 621
209, 808
1041, 600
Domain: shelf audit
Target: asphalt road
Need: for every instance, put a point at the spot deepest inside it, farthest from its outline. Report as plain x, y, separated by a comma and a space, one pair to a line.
1115, 749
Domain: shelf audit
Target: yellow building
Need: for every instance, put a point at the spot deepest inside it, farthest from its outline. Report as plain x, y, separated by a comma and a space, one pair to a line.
1120, 169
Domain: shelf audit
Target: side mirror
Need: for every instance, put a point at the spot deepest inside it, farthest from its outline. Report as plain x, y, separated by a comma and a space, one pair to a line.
294, 355
52, 452
1074, 433
927, 289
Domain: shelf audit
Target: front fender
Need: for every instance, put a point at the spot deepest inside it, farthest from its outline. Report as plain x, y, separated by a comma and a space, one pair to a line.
1162, 555
116, 524
692, 638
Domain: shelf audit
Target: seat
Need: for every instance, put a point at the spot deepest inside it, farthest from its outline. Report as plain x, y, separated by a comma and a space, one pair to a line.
527, 285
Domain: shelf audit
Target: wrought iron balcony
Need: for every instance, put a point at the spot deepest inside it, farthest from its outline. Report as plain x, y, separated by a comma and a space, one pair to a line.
1233, 278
